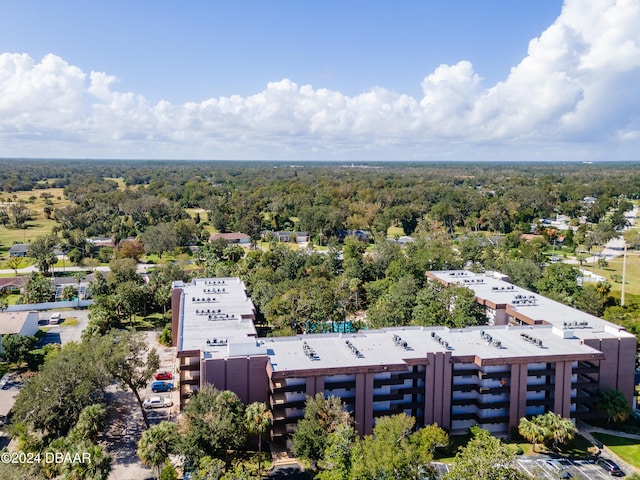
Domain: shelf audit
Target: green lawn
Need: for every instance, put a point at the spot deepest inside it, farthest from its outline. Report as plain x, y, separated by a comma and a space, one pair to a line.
632, 283
626, 448
393, 231
69, 322
155, 321
576, 448
39, 225
204, 217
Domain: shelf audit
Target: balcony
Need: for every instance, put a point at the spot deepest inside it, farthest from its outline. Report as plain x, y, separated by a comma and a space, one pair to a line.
494, 375
494, 390
479, 403
387, 381
543, 372
190, 367
540, 402
388, 397
190, 381
279, 400
387, 412
541, 387
411, 391
585, 370
466, 372
339, 385
281, 388
464, 387
412, 375
479, 419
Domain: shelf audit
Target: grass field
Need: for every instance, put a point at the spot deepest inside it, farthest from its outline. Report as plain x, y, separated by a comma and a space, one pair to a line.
39, 225
119, 181
632, 283
201, 211
626, 448
393, 231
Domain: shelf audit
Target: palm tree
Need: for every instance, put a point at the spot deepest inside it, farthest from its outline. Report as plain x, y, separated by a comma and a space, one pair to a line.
79, 276
615, 404
157, 443
99, 468
259, 419
531, 431
558, 430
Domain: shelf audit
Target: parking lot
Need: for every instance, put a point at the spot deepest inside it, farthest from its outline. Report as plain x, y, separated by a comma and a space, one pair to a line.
167, 364
563, 468
59, 333
551, 469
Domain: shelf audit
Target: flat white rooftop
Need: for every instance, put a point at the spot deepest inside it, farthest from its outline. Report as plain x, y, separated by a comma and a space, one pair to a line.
215, 311
490, 345
494, 287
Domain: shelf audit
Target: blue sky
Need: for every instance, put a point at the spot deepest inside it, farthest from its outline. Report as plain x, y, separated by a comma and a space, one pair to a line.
356, 80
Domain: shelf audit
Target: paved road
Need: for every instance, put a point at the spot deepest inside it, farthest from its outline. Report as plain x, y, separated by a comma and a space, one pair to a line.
140, 268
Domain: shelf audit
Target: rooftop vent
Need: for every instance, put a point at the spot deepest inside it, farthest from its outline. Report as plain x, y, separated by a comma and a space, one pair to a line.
440, 340
490, 340
309, 351
575, 324
398, 342
353, 349
528, 338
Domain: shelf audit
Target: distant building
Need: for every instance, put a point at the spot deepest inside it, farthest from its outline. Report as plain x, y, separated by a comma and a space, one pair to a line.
101, 242
12, 285
285, 236
19, 250
234, 238
402, 241
362, 235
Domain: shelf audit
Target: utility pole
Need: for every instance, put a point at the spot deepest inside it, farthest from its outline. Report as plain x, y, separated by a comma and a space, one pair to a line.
624, 273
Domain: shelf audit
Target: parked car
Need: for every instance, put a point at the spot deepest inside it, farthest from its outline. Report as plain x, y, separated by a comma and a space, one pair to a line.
156, 402
610, 466
161, 387
163, 376
55, 318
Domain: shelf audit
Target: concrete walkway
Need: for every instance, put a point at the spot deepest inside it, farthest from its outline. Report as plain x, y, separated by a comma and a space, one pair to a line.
587, 430
614, 433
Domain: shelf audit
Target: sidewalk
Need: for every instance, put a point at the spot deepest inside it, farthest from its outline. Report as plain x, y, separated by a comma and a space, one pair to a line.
587, 430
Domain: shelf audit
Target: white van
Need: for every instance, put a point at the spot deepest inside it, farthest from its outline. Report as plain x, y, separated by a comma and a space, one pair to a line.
55, 318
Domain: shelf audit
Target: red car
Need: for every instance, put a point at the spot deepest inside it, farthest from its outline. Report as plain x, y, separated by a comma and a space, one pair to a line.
163, 376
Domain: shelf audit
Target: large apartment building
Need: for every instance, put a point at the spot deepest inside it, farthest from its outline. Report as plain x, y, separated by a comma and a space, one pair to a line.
536, 355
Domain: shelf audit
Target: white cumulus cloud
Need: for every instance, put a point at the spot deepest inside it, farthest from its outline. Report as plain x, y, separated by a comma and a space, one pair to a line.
573, 96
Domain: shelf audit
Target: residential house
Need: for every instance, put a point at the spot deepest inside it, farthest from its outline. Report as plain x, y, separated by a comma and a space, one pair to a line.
101, 242
235, 238
362, 235
19, 250
284, 236
12, 285
402, 241
22, 323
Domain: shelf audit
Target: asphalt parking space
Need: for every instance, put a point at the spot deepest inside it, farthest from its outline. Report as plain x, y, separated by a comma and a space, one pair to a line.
556, 469
63, 334
167, 364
